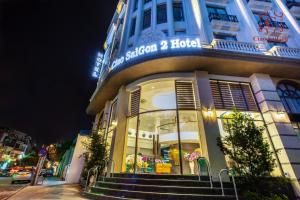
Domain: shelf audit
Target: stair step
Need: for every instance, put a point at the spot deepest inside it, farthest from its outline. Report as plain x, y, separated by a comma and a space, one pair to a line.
162, 188
168, 182
104, 197
122, 193
160, 176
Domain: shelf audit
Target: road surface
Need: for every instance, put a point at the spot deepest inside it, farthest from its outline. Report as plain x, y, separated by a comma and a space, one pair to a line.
63, 192
7, 189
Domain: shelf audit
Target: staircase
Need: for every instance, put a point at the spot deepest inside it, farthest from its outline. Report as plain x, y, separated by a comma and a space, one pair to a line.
159, 187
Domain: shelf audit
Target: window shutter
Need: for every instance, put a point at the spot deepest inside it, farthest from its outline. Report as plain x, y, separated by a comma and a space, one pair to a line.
252, 106
185, 95
228, 95
135, 102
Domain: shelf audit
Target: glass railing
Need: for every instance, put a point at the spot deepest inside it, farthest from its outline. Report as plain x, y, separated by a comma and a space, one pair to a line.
222, 17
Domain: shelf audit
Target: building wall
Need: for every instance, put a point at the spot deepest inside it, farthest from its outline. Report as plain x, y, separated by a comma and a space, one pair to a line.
230, 37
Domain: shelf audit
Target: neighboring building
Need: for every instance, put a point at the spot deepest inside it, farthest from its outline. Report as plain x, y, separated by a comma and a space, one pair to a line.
72, 163
172, 69
14, 144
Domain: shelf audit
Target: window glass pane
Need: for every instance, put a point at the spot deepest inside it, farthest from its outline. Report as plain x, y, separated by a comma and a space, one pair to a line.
132, 29
180, 32
147, 19
225, 37
129, 156
178, 12
161, 14
190, 141
112, 125
135, 4
158, 96
158, 149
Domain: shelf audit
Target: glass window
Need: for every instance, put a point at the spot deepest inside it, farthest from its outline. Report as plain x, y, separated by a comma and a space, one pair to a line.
289, 93
161, 13
190, 141
129, 156
216, 10
180, 32
178, 13
135, 5
132, 29
112, 125
166, 32
158, 96
153, 144
225, 37
147, 19
281, 44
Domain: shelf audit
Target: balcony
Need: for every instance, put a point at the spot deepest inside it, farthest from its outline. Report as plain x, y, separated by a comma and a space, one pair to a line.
285, 52
218, 2
273, 28
259, 5
294, 6
223, 22
245, 47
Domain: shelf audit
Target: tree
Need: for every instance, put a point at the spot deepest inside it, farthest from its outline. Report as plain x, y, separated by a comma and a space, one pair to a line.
97, 155
245, 146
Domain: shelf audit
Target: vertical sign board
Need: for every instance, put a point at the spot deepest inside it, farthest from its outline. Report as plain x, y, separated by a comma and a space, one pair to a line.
42, 157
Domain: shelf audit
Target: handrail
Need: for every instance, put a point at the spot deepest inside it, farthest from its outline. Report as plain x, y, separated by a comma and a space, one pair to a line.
233, 181
88, 175
111, 174
208, 169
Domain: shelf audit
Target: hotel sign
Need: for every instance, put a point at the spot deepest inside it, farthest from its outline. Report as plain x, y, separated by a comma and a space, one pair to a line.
162, 46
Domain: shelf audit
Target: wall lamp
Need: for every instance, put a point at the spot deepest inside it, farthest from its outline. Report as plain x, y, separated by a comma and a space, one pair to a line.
280, 114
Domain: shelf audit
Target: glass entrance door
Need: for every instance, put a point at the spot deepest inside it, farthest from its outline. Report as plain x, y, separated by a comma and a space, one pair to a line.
157, 147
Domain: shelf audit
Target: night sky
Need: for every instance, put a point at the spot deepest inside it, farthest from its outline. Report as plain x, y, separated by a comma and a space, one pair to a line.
47, 52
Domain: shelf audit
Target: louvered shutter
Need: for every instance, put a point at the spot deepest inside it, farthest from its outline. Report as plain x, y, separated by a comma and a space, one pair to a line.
233, 95
252, 106
135, 102
217, 97
226, 95
185, 95
238, 96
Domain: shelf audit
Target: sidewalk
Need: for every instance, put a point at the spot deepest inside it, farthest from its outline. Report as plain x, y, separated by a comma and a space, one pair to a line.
51, 189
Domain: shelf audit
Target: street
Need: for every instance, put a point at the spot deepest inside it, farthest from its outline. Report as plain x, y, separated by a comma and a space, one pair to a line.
7, 189
65, 192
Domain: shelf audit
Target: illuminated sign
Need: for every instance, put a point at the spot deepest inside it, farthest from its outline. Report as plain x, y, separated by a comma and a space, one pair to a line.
164, 45
98, 64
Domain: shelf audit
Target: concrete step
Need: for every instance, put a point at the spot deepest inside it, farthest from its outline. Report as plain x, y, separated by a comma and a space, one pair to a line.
165, 182
98, 192
162, 188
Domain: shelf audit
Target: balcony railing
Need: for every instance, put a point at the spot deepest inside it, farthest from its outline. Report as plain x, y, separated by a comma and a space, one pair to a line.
261, 0
222, 17
291, 3
246, 47
274, 24
285, 52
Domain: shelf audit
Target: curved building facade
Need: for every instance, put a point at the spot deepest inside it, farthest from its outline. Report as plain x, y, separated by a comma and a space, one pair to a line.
172, 69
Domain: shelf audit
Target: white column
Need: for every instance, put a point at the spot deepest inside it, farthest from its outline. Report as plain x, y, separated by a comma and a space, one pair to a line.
170, 17
154, 14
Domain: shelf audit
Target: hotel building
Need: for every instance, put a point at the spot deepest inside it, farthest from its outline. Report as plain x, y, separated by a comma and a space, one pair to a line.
173, 69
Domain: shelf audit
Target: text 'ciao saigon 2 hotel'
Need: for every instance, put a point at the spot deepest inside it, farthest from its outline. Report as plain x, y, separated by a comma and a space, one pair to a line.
172, 69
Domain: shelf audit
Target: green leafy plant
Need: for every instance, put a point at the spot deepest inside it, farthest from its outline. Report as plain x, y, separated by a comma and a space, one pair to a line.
97, 154
245, 146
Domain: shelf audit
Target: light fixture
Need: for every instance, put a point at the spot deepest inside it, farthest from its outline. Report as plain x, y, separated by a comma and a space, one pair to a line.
208, 113
280, 114
114, 123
